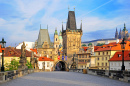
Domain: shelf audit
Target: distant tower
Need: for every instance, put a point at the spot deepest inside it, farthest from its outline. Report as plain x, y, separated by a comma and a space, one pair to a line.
60, 39
120, 35
116, 34
125, 32
56, 41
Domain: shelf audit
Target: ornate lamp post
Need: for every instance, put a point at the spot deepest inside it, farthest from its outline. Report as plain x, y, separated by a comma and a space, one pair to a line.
123, 48
3, 43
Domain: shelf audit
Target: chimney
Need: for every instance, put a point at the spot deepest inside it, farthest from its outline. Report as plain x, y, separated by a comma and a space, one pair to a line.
117, 40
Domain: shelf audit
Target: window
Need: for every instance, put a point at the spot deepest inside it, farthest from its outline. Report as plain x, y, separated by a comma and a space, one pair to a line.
106, 64
51, 57
56, 46
98, 53
115, 64
119, 55
106, 58
82, 56
98, 58
119, 64
112, 64
48, 64
102, 64
85, 60
107, 53
98, 64
79, 56
103, 53
102, 58
56, 39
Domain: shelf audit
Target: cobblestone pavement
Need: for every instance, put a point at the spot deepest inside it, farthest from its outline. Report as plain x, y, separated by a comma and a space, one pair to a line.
59, 78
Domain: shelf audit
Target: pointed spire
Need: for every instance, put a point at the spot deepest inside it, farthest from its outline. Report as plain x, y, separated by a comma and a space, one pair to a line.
116, 30
81, 26
74, 8
124, 27
116, 34
68, 8
120, 36
40, 26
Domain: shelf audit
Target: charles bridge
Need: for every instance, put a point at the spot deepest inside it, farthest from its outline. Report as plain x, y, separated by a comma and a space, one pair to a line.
75, 77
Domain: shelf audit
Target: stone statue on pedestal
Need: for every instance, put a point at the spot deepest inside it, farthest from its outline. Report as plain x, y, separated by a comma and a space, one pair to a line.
23, 60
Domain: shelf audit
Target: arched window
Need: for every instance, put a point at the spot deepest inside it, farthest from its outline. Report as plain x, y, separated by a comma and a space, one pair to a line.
56, 39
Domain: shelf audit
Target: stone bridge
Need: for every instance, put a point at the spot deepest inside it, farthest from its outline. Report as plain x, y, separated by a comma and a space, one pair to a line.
63, 78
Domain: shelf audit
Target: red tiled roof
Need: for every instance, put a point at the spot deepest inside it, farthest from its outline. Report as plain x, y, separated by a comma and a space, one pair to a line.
85, 48
13, 52
113, 46
0, 49
34, 50
45, 59
118, 56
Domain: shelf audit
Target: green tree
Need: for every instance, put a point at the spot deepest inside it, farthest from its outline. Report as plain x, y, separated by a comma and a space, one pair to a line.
89, 44
29, 65
100, 44
83, 44
12, 66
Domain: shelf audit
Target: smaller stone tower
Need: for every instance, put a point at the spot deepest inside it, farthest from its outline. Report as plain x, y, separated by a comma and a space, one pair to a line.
56, 41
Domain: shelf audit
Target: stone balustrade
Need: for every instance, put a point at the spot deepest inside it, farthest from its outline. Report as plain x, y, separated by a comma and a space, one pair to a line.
9, 75
113, 74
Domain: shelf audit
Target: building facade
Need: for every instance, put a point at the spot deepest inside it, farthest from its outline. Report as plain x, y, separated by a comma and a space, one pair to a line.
116, 61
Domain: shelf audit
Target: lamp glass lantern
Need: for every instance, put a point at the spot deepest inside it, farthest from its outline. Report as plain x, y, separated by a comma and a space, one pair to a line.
3, 43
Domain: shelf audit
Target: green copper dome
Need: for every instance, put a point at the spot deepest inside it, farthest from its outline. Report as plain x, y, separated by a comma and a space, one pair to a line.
56, 32
60, 37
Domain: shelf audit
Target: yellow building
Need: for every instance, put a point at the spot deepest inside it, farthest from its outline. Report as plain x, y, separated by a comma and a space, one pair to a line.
11, 53
83, 59
106, 52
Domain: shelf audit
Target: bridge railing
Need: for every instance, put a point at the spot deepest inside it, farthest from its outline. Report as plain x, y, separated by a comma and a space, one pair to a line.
114, 74
9, 75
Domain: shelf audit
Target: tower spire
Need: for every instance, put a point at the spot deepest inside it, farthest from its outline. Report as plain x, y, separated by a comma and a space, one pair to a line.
116, 34
81, 26
74, 8
68, 8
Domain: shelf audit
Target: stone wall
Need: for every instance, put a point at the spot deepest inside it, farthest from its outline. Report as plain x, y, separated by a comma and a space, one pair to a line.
9, 75
113, 74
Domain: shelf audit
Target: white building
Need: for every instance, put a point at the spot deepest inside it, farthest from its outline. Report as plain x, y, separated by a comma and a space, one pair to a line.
116, 61
29, 45
45, 63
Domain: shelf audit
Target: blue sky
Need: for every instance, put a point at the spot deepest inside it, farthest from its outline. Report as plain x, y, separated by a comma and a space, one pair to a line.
20, 19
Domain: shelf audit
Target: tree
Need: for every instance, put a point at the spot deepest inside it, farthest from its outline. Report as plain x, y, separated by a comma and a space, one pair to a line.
12, 66
89, 44
100, 44
83, 44
29, 64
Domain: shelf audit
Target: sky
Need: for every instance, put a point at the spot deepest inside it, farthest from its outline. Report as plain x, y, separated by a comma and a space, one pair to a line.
20, 19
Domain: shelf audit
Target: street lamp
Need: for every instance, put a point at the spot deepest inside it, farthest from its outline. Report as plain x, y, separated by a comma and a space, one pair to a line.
3, 43
123, 44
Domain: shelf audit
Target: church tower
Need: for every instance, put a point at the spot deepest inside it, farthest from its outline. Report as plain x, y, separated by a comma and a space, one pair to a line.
71, 37
120, 36
116, 34
56, 41
125, 32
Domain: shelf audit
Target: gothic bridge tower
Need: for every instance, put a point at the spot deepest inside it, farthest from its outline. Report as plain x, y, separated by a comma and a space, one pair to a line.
71, 37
